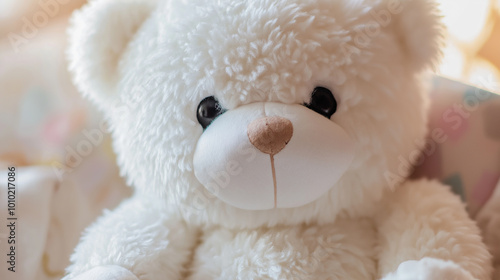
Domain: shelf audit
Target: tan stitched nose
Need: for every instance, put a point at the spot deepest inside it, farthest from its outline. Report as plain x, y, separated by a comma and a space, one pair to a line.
270, 134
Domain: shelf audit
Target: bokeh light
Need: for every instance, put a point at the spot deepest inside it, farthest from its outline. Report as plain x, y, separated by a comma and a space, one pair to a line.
466, 20
470, 29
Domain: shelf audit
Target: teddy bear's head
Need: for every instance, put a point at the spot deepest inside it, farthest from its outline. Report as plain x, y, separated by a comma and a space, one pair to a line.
260, 112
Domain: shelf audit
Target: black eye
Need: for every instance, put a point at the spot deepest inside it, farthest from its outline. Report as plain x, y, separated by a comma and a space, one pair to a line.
208, 110
323, 102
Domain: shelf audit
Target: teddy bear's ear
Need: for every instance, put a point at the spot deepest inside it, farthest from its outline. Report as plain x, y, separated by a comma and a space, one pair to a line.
418, 27
99, 34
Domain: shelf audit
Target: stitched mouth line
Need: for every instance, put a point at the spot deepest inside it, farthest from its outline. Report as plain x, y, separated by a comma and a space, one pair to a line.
274, 182
272, 167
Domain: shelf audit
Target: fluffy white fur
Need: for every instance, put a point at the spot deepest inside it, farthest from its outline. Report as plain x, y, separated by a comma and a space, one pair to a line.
148, 64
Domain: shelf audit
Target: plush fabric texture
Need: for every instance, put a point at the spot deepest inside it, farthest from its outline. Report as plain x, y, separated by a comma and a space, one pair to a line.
148, 65
108, 273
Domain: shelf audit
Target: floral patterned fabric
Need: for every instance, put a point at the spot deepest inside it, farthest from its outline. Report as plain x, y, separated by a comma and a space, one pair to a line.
466, 156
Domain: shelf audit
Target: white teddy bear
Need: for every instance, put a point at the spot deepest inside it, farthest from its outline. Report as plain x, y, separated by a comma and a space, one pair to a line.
268, 139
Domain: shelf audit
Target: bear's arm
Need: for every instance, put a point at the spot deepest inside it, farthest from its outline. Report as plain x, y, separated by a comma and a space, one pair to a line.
136, 239
423, 219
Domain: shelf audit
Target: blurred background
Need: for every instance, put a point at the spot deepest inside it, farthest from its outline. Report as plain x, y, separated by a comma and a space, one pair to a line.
472, 54
44, 125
